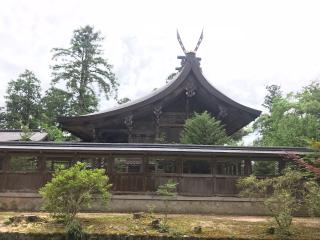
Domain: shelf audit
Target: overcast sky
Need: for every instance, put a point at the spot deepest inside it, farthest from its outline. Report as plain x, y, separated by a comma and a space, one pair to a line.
247, 44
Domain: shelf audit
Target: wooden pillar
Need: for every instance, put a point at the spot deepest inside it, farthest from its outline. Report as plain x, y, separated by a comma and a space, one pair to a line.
227, 168
51, 165
247, 167
235, 170
75, 159
110, 165
145, 171
97, 162
213, 166
242, 167
179, 165
6, 163
6, 169
1, 163
179, 170
104, 164
41, 166
110, 172
239, 168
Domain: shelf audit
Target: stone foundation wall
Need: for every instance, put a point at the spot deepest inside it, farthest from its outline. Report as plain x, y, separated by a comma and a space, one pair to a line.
13, 201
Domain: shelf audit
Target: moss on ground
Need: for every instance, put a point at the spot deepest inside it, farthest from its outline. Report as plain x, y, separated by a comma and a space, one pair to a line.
233, 227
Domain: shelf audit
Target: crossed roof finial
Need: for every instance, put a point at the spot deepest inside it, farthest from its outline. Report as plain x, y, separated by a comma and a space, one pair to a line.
182, 46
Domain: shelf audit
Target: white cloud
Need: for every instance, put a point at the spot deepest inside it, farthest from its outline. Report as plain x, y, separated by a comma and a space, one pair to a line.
247, 44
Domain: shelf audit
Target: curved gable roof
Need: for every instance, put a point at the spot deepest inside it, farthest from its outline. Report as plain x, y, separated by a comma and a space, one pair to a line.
238, 116
191, 64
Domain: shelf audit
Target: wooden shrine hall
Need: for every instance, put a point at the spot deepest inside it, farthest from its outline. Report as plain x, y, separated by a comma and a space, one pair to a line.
162, 114
124, 140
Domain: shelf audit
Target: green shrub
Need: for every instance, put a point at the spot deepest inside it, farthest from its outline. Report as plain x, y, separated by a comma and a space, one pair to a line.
283, 196
71, 190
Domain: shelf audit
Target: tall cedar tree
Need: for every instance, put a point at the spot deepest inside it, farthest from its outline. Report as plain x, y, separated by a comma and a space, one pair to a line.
23, 101
203, 129
83, 69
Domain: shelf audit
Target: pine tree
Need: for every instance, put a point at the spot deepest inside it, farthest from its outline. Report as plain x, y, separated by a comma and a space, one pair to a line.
203, 129
83, 70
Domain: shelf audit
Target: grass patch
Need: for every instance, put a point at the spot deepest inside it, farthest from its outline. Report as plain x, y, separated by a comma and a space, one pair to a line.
235, 227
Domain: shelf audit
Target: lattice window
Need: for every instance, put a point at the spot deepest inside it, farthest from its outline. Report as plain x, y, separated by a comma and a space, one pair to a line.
23, 163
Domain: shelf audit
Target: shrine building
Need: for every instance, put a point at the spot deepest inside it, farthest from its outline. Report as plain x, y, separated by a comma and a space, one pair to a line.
162, 113
125, 141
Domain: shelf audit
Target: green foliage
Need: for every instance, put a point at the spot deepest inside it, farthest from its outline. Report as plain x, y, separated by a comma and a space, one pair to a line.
274, 92
309, 99
74, 231
23, 101
291, 120
312, 198
203, 129
83, 69
282, 205
26, 133
150, 210
2, 118
309, 165
168, 189
56, 102
54, 133
283, 195
264, 168
252, 187
163, 227
71, 190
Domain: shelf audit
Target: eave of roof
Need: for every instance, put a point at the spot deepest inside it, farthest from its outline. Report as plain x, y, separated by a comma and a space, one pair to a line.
139, 148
